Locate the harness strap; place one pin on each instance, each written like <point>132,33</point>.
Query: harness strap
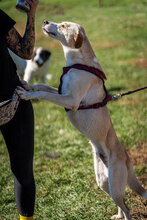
<point>90,69</point>
<point>94,71</point>
<point>94,106</point>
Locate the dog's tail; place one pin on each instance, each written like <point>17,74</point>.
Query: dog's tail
<point>134,184</point>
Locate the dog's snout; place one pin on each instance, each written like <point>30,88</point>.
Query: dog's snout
<point>46,22</point>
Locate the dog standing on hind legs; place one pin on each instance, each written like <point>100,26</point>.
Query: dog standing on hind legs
<point>78,88</point>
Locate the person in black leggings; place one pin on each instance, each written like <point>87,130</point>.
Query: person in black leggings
<point>19,132</point>
<point>19,138</point>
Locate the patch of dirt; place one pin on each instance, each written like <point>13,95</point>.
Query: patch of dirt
<point>138,207</point>
<point>139,155</point>
<point>139,159</point>
<point>108,45</point>
<point>138,213</point>
<point>142,63</point>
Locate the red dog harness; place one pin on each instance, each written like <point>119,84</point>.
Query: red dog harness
<point>94,71</point>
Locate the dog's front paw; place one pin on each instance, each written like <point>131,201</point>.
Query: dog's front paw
<point>26,86</point>
<point>22,93</point>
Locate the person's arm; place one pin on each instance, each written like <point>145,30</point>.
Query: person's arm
<point>23,46</point>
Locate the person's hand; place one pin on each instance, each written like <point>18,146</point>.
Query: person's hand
<point>23,94</point>
<point>26,86</point>
<point>33,5</point>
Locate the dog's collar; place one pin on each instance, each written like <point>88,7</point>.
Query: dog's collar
<point>91,69</point>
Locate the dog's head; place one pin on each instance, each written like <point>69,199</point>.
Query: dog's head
<point>68,33</point>
<point>40,56</point>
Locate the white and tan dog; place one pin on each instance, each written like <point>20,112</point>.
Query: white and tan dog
<point>112,165</point>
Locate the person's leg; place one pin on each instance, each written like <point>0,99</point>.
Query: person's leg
<point>19,138</point>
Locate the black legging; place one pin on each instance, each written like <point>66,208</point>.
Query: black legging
<point>19,138</point>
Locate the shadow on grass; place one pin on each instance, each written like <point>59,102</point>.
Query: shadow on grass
<point>115,89</point>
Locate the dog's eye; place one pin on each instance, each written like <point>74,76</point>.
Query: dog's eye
<point>63,26</point>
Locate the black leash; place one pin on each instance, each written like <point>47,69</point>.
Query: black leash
<point>127,93</point>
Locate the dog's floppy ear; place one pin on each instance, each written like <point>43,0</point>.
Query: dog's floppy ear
<point>78,38</point>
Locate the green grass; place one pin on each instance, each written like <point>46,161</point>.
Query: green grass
<point>66,187</point>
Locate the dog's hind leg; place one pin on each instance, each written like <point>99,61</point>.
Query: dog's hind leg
<point>101,172</point>
<point>101,169</point>
<point>118,175</point>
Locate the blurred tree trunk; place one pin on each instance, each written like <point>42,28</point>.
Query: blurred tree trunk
<point>100,3</point>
